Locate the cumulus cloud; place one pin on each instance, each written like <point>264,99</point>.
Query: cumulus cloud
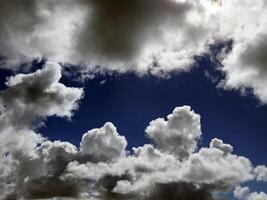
<point>245,66</point>
<point>143,36</point>
<point>261,173</point>
<point>177,135</point>
<point>173,166</point>
<point>244,193</point>
<point>29,97</point>
<point>38,94</point>
<point>104,144</point>
<point>101,169</point>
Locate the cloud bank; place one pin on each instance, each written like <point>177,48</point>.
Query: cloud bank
<point>173,166</point>
<point>144,36</point>
<point>155,37</point>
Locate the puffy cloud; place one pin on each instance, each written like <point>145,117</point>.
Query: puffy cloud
<point>144,36</point>
<point>150,173</point>
<point>104,144</point>
<point>35,29</point>
<point>217,143</point>
<point>100,169</point>
<point>177,135</point>
<point>37,95</point>
<point>245,66</point>
<point>257,196</point>
<point>212,165</point>
<point>244,193</point>
<point>261,173</point>
<point>28,98</point>
<point>241,192</point>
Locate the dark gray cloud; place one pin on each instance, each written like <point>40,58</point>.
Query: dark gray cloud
<point>117,29</point>
<point>45,187</point>
<point>107,35</point>
<point>143,36</point>
<point>181,190</point>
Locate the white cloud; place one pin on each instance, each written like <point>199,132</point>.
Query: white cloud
<point>39,94</point>
<point>100,169</point>
<point>177,135</point>
<point>28,98</point>
<point>261,173</point>
<point>245,66</point>
<point>244,193</point>
<point>257,196</point>
<point>104,144</point>
<point>241,192</point>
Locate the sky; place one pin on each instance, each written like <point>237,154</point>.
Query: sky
<point>133,100</point>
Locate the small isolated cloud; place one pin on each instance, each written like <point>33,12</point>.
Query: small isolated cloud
<point>173,166</point>
<point>261,173</point>
<point>243,193</point>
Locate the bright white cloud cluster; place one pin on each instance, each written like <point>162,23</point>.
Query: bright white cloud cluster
<point>33,167</point>
<point>104,144</point>
<point>178,135</point>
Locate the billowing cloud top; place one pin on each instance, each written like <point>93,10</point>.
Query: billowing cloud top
<point>173,167</point>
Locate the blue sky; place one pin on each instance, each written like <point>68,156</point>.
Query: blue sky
<point>131,102</point>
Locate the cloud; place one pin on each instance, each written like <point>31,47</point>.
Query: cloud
<point>59,169</point>
<point>244,193</point>
<point>37,95</point>
<point>104,144</point>
<point>241,192</point>
<point>32,167</point>
<point>181,190</point>
<point>29,98</point>
<point>177,135</point>
<point>149,36</point>
<point>143,36</point>
<point>261,173</point>
<point>245,66</point>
